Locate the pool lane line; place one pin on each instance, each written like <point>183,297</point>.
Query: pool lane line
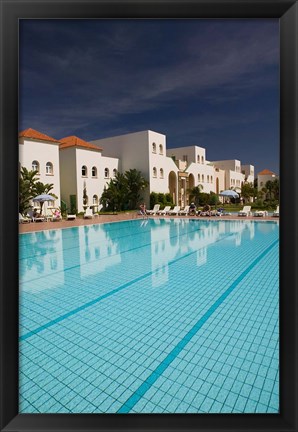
<point>104,296</point>
<point>153,377</point>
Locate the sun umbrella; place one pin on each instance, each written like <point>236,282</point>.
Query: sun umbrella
<point>43,198</point>
<point>229,194</point>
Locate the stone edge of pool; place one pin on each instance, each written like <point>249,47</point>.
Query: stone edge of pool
<point>42,226</point>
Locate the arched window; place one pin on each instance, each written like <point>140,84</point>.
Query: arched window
<point>107,173</point>
<point>154,172</point>
<point>153,147</point>
<point>35,166</point>
<point>160,149</point>
<point>49,168</point>
<point>114,172</point>
<point>161,173</point>
<point>203,178</point>
<point>202,159</point>
<point>199,177</point>
<point>94,171</point>
<point>84,171</point>
<point>211,179</point>
<point>95,199</point>
<point>207,179</point>
<point>198,159</point>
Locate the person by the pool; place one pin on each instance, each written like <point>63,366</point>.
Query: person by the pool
<point>192,209</point>
<point>143,211</point>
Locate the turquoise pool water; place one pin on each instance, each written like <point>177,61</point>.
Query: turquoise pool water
<point>157,316</point>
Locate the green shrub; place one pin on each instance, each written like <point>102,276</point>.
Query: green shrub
<point>153,199</point>
<point>213,199</point>
<point>161,199</point>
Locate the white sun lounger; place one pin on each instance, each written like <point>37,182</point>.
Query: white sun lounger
<point>164,211</point>
<point>88,214</point>
<point>23,219</point>
<point>154,210</point>
<point>260,213</point>
<point>245,211</point>
<point>276,212</point>
<point>175,210</point>
<point>185,211</point>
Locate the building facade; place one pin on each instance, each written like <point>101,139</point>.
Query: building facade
<point>84,173</point>
<point>40,152</point>
<point>145,151</point>
<point>80,170</point>
<point>264,176</point>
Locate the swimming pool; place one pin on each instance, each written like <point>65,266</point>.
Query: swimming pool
<point>150,316</point>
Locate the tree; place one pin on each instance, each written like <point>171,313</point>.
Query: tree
<point>85,196</point>
<point>29,188</point>
<point>213,199</point>
<point>135,184</point>
<point>26,188</point>
<point>275,188</point>
<point>247,191</point>
<point>114,196</point>
<point>124,191</point>
<point>195,194</point>
<point>269,187</point>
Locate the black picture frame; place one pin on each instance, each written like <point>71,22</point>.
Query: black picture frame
<point>287,13</point>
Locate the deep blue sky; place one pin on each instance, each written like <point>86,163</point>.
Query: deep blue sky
<point>211,83</point>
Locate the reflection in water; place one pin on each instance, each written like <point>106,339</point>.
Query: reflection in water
<point>40,257</point>
<point>50,259</point>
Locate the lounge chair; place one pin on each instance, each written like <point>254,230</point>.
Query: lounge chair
<point>154,210</point>
<point>245,211</point>
<point>23,219</point>
<point>88,214</point>
<point>71,217</point>
<point>276,212</point>
<point>260,213</point>
<point>49,216</point>
<point>39,218</point>
<point>175,210</point>
<point>185,211</point>
<point>164,211</point>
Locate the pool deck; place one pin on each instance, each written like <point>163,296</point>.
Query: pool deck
<point>41,226</point>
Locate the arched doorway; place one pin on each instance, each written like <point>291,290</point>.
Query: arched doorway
<point>191,181</point>
<point>191,185</point>
<point>173,185</point>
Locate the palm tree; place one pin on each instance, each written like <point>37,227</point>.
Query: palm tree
<point>27,182</point>
<point>114,195</point>
<point>194,194</point>
<point>135,183</point>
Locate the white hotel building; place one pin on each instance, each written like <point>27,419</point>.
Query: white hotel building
<point>73,164</point>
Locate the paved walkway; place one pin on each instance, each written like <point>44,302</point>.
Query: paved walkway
<point>40,226</point>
